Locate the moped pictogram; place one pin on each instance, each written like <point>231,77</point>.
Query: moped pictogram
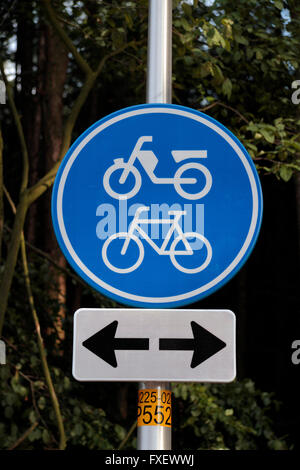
<point>149,162</point>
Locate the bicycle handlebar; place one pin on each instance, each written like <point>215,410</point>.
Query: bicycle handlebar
<point>140,210</point>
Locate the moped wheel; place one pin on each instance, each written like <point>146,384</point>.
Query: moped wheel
<point>203,265</point>
<point>131,268</point>
<point>112,169</point>
<point>189,166</point>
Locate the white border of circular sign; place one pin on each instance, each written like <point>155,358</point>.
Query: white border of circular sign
<point>181,111</point>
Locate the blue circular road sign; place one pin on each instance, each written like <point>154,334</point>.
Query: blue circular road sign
<point>157,205</point>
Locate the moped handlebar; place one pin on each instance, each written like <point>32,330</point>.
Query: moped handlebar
<point>137,148</point>
<point>141,140</point>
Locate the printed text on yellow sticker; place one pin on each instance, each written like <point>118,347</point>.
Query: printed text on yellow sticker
<point>154,408</point>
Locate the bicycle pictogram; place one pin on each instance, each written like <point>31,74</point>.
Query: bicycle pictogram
<point>149,161</point>
<point>183,237</point>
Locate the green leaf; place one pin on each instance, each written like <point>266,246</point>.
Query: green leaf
<point>241,39</point>
<point>259,55</point>
<point>285,173</point>
<point>41,403</point>
<point>227,22</point>
<point>120,431</point>
<point>34,435</point>
<point>128,20</point>
<point>269,137</point>
<point>206,69</point>
<point>46,436</point>
<point>186,25</point>
<point>32,416</point>
<point>227,88</point>
<point>78,429</point>
<point>218,74</point>
<point>187,9</point>
<point>278,4</point>
<point>188,60</point>
<point>218,39</point>
<point>251,146</point>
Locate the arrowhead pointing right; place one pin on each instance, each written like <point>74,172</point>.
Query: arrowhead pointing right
<point>102,344</point>
<point>205,344</point>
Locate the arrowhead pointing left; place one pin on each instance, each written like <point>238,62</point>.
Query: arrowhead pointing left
<point>102,344</point>
<point>205,344</point>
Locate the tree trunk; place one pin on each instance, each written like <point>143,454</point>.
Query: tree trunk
<point>55,77</point>
<point>24,67</point>
<point>35,144</point>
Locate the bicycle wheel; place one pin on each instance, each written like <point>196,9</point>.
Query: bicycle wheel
<point>119,166</point>
<point>131,268</point>
<point>191,270</point>
<point>194,166</point>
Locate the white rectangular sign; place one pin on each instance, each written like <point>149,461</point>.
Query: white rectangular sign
<point>154,345</point>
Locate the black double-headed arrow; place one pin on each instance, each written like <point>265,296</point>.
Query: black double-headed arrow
<point>204,344</point>
<point>104,344</point>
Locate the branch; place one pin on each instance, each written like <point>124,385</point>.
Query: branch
<point>8,13</point>
<point>65,38</point>
<point>212,105</point>
<point>127,435</point>
<point>19,126</point>
<point>42,253</point>
<point>24,436</point>
<point>219,103</point>
<point>47,257</point>
<point>10,201</point>
<point>46,182</point>
<point>112,54</point>
<point>42,351</point>
<point>41,346</point>
<point>13,249</point>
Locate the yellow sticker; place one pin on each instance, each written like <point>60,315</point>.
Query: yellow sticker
<point>154,408</point>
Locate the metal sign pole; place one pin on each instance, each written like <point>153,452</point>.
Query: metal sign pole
<point>154,402</point>
<point>159,70</point>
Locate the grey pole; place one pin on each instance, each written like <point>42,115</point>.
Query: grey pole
<point>159,90</point>
<point>159,70</point>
